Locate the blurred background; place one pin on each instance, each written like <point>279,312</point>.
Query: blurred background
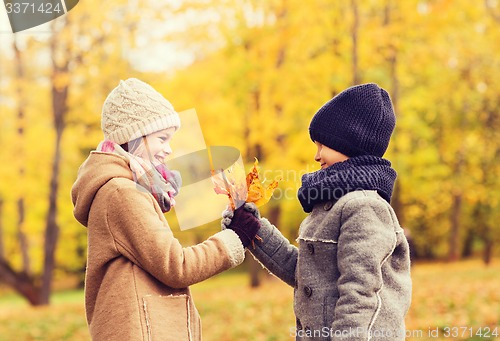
<point>256,71</point>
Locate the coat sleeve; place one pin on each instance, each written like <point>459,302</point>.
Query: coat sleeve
<point>275,252</point>
<point>143,237</point>
<point>366,241</point>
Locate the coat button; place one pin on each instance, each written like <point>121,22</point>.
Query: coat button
<point>328,205</point>
<point>299,325</point>
<point>310,248</point>
<point>308,291</point>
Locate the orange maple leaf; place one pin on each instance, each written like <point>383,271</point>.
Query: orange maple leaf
<point>255,190</point>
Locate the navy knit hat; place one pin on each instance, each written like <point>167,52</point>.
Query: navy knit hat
<point>358,121</point>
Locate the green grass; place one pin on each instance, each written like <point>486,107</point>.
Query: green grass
<point>464,294</point>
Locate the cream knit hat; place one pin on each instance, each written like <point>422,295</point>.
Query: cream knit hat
<point>134,109</point>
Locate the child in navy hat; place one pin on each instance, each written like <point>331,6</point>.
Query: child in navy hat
<point>351,269</point>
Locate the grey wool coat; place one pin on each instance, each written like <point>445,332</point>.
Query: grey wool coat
<point>350,271</point>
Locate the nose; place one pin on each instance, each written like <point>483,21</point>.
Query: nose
<point>317,157</point>
<point>167,150</point>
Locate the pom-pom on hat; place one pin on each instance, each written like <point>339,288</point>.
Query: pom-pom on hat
<point>134,109</point>
<point>358,121</point>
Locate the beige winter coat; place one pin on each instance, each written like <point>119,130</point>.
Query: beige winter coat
<point>137,272</point>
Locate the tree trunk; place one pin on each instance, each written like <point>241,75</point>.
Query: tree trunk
<point>397,203</point>
<point>59,98</point>
<point>274,215</point>
<point>2,244</point>
<point>253,151</point>
<point>253,266</point>
<point>456,206</point>
<point>20,282</point>
<point>488,252</point>
<point>467,248</point>
<point>59,109</point>
<point>52,228</point>
<point>479,216</point>
<point>21,236</point>
<point>455,227</point>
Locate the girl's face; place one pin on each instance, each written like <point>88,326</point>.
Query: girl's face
<point>327,156</point>
<point>158,144</point>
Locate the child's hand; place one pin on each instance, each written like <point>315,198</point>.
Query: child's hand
<point>244,222</point>
<point>228,214</point>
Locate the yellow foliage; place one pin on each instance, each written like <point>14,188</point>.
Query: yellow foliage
<point>256,79</point>
<point>61,80</point>
<point>257,193</point>
<point>252,190</point>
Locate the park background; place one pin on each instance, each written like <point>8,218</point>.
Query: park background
<point>256,72</point>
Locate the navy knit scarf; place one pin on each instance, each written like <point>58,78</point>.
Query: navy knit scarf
<point>357,173</point>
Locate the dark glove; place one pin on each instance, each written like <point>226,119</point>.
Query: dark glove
<point>245,225</point>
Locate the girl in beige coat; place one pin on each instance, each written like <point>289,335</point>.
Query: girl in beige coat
<point>138,274</point>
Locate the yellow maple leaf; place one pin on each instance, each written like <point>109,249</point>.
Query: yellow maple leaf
<point>257,192</point>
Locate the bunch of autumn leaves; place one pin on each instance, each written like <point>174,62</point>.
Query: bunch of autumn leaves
<point>229,183</point>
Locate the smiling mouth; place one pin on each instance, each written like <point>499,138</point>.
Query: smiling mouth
<point>323,165</point>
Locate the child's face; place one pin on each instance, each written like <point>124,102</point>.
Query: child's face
<point>159,146</point>
<point>327,156</point>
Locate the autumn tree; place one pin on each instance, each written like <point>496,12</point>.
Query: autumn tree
<point>65,59</point>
